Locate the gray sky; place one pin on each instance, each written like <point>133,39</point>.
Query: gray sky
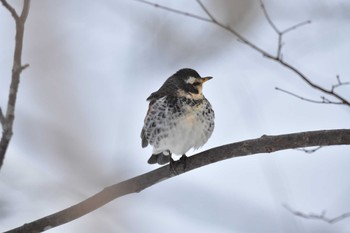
<point>82,101</point>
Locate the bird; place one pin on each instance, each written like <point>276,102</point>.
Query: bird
<point>179,117</point>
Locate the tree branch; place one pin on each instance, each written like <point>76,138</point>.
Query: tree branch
<point>232,31</point>
<point>321,216</point>
<point>296,26</point>
<point>339,84</point>
<point>10,9</point>
<point>25,11</point>
<point>277,57</point>
<point>264,144</point>
<point>267,16</point>
<point>2,118</point>
<point>279,32</point>
<point>322,101</point>
<point>210,20</point>
<point>174,10</point>
<point>315,86</point>
<point>17,68</point>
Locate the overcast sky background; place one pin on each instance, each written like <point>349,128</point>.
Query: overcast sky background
<point>82,102</point>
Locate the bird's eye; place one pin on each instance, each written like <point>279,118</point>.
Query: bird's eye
<point>196,84</point>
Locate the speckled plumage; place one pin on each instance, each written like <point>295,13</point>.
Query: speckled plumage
<point>179,117</point>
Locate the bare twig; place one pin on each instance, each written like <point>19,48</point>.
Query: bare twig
<point>10,9</point>
<point>277,57</point>
<point>278,31</point>
<point>206,11</point>
<point>321,216</point>
<point>315,86</point>
<point>268,18</point>
<point>2,118</point>
<point>295,26</point>
<point>174,10</point>
<point>210,20</point>
<point>232,31</point>
<point>17,68</point>
<point>280,60</point>
<point>339,84</point>
<point>265,144</point>
<point>309,151</point>
<point>25,11</point>
<point>322,101</point>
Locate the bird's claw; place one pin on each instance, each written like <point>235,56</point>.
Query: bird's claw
<point>175,164</point>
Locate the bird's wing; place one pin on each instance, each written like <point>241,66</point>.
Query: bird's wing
<point>143,131</point>
<point>143,138</point>
<point>154,120</point>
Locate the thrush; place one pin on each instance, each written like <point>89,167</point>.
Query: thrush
<point>179,117</point>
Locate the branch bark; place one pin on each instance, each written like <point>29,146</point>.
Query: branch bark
<point>8,120</point>
<point>2,118</point>
<point>264,144</point>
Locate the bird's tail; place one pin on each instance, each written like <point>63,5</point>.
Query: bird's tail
<point>161,158</point>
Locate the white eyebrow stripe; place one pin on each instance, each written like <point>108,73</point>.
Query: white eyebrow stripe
<point>191,80</point>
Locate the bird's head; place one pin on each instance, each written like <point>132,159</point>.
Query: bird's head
<point>189,83</point>
<point>184,83</point>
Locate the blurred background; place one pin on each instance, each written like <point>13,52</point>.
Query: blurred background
<point>82,102</point>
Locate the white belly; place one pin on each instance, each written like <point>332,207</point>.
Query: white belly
<point>190,131</point>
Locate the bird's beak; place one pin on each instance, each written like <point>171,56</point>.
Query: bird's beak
<point>204,79</point>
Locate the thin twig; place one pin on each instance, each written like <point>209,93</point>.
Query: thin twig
<point>17,69</point>
<point>277,57</point>
<point>328,101</point>
<point>279,46</point>
<point>238,35</point>
<point>278,31</point>
<point>214,21</point>
<point>25,11</point>
<point>206,11</point>
<point>323,101</point>
<point>321,216</point>
<point>273,25</point>
<point>175,11</point>
<point>2,118</point>
<point>339,84</point>
<point>25,66</point>
<point>309,151</point>
<point>265,144</point>
<point>10,9</point>
<point>295,26</point>
<point>315,86</point>
<point>268,18</point>
<point>280,60</point>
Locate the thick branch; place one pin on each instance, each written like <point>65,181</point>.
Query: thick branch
<point>16,72</point>
<point>265,144</point>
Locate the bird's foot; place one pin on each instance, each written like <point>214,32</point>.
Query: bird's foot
<point>172,166</point>
<point>183,160</point>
